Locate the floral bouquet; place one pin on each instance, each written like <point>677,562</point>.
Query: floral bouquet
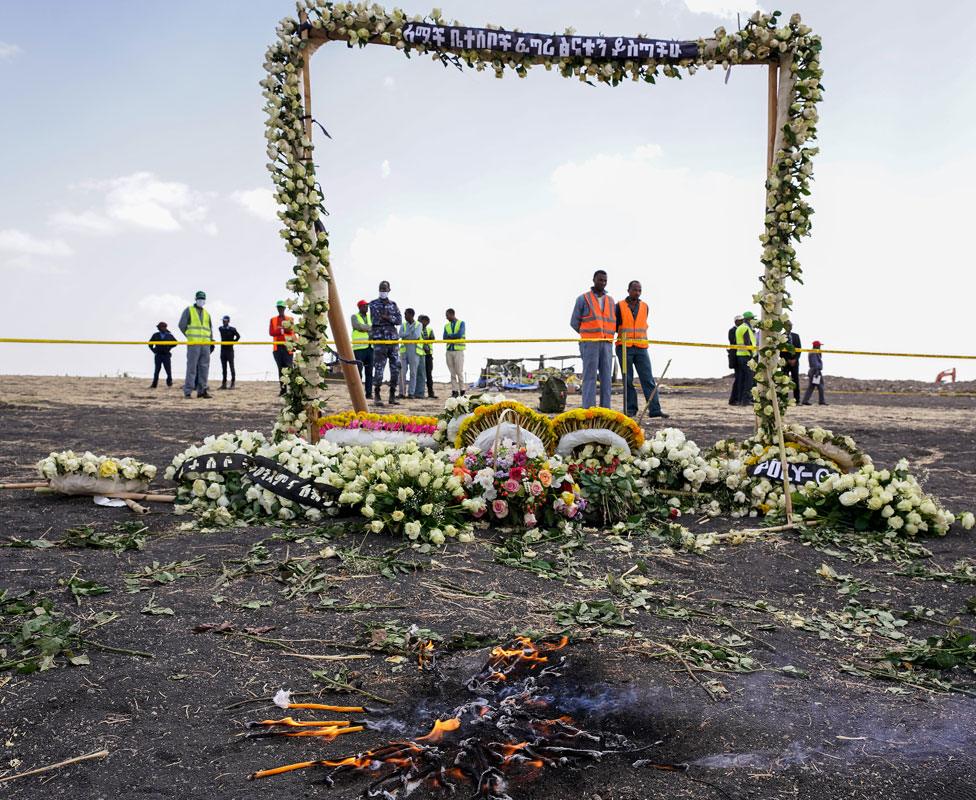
<point>487,421</point>
<point>609,481</point>
<point>68,472</point>
<point>458,409</point>
<point>890,501</point>
<point>518,486</point>
<point>229,498</point>
<point>583,426</point>
<point>362,428</point>
<point>404,490</point>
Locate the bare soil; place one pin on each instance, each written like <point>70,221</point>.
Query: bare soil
<point>173,722</point>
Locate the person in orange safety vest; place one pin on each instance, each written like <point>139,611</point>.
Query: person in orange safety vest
<point>281,330</point>
<point>632,327</point>
<point>594,319</point>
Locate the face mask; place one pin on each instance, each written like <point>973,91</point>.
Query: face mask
<point>384,295</point>
<point>200,303</point>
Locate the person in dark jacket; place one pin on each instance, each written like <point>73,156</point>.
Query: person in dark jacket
<point>791,358</point>
<point>162,354</point>
<point>428,355</point>
<point>816,375</point>
<point>733,364</point>
<point>228,334</point>
<point>386,319</point>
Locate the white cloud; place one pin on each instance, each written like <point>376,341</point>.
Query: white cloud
<point>141,201</point>
<point>8,50</point>
<point>20,243</point>
<point>722,8</point>
<point>389,82</point>
<point>168,306</point>
<point>26,264</point>
<point>83,222</point>
<point>385,169</point>
<point>259,202</point>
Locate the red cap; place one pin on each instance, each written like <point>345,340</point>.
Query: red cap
<point>817,344</point>
<point>362,303</point>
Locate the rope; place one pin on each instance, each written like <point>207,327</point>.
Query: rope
<point>370,342</point>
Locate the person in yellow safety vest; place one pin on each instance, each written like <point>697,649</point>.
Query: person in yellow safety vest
<point>362,352</point>
<point>196,327</point>
<point>454,332</point>
<point>632,327</point>
<point>744,379</point>
<point>594,319</point>
<point>428,350</point>
<point>410,362</point>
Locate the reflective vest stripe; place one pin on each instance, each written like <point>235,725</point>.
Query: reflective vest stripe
<point>199,328</point>
<point>599,321</point>
<point>633,328</point>
<point>453,328</point>
<point>744,335</point>
<point>426,333</point>
<point>358,336</point>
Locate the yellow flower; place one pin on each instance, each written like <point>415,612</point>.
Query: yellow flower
<point>108,469</point>
<point>568,498</point>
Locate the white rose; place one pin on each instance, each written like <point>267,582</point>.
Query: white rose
<point>397,515</point>
<point>427,509</point>
<point>376,525</point>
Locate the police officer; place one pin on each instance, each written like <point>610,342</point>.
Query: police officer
<point>162,354</point>
<point>228,334</point>
<point>386,319</point>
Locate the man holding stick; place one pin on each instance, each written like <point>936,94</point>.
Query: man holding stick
<point>632,336</point>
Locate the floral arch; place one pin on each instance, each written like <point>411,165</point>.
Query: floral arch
<point>789,49</point>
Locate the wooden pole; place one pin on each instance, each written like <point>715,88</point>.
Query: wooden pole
<point>337,320</point>
<point>623,367</point>
<point>772,101</point>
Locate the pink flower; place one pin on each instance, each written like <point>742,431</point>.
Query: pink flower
<point>478,513</point>
<point>536,488</point>
<point>511,486</point>
<point>529,520</point>
<point>499,508</point>
<point>570,511</point>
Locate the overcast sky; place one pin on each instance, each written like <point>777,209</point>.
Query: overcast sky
<point>134,174</point>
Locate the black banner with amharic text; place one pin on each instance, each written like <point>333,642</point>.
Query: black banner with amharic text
<point>541,45</point>
<point>265,473</point>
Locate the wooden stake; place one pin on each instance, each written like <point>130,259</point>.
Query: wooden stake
<point>40,770</point>
<point>657,385</point>
<point>787,489</point>
<point>337,320</point>
<point>27,485</point>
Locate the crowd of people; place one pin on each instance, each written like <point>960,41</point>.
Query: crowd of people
<point>388,342</point>
<point>401,346</point>
<point>742,335</point>
<point>381,338</point>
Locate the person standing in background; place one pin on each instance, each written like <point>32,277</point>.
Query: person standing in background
<point>631,316</point>
<point>410,330</point>
<point>455,332</point>
<point>162,354</point>
<point>386,318</point>
<point>594,319</point>
<point>281,331</point>
<point>227,334</point>
<point>733,364</point>
<point>362,352</point>
<point>791,358</point>
<point>815,372</point>
<point>196,327</point>
<point>428,355</point>
<point>744,378</point>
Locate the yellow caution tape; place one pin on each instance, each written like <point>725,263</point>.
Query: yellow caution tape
<point>369,342</point>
